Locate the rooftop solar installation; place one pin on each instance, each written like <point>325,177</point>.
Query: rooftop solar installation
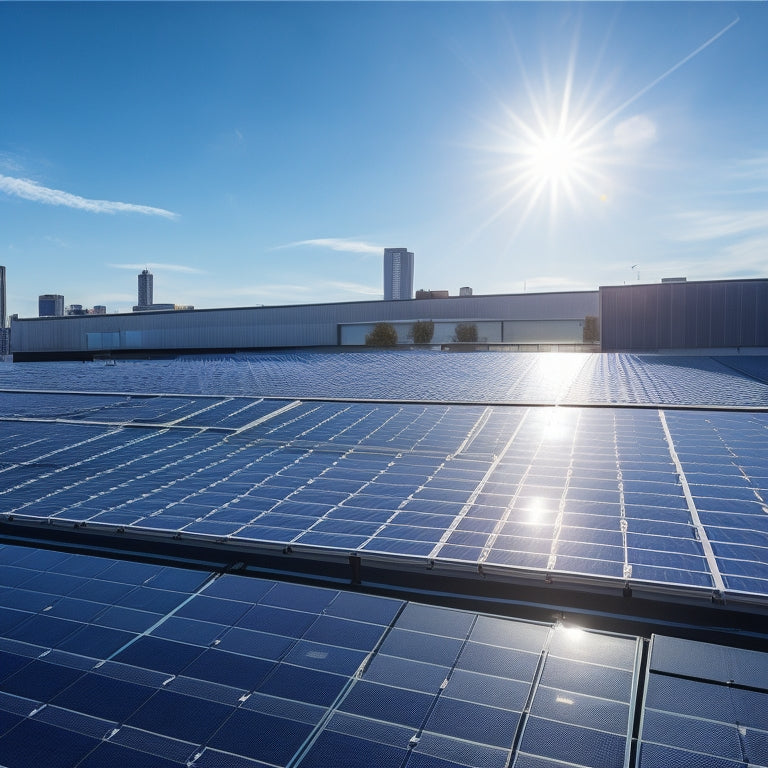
<point>110,662</point>
<point>648,497</point>
<point>525,561</point>
<point>481,377</point>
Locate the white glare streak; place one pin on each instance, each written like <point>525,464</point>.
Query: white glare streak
<point>562,154</point>
<point>664,76</point>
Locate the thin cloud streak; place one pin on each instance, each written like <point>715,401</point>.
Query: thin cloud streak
<point>27,189</point>
<point>713,225</point>
<point>161,267</point>
<point>366,290</point>
<point>338,244</point>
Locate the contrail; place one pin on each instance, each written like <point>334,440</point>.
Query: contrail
<point>666,74</point>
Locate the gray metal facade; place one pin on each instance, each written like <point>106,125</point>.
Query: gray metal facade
<point>313,325</point>
<point>690,315</point>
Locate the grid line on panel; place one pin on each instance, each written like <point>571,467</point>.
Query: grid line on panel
<point>205,409</point>
<point>552,561</point>
<point>149,630</point>
<point>262,419</point>
<point>477,428</point>
<point>38,459</point>
<point>526,711</point>
<point>623,524</point>
<point>89,458</point>
<point>164,467</point>
<point>326,515</point>
<point>334,708</point>
<point>497,460</point>
<point>700,530</point>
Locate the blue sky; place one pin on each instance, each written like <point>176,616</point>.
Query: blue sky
<point>266,153</point>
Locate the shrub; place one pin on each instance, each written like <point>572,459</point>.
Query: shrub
<point>465,332</point>
<point>591,330</point>
<point>422,331</point>
<point>382,335</point>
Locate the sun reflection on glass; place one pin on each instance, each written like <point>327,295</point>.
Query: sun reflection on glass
<point>573,633</point>
<point>536,511</point>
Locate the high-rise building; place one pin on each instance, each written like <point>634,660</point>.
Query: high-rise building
<point>145,289</point>
<point>398,274</point>
<point>50,305</point>
<point>2,297</point>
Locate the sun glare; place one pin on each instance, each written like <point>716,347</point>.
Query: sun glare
<point>553,159</point>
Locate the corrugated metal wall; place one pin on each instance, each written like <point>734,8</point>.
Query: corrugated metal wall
<point>272,327</point>
<point>694,315</point>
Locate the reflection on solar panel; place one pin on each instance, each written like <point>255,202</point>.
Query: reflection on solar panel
<point>107,661</point>
<point>482,377</point>
<point>127,663</point>
<point>639,497</point>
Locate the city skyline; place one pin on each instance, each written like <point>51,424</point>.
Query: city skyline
<point>267,153</point>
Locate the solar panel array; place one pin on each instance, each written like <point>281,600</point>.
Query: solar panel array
<point>705,705</point>
<point>666,498</point>
<point>109,662</point>
<point>482,377</point>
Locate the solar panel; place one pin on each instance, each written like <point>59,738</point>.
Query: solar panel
<point>634,496</point>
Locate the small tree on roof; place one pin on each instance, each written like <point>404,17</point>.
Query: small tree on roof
<point>422,331</point>
<point>382,335</point>
<point>465,332</point>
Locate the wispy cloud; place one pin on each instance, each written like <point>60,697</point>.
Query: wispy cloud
<point>31,190</point>
<point>338,244</point>
<point>635,132</point>
<point>713,225</point>
<point>160,267</point>
<point>358,288</point>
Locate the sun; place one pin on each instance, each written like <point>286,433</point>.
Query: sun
<point>553,159</point>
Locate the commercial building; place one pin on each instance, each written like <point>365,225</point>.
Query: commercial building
<point>50,305</point>
<point>636,318</point>
<point>398,274</point>
<point>547,318</point>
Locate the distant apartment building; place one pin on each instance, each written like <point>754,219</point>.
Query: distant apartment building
<point>2,298</point>
<point>145,289</point>
<point>465,290</point>
<point>398,274</point>
<point>98,309</point>
<point>146,296</point>
<point>426,294</point>
<point>50,305</point>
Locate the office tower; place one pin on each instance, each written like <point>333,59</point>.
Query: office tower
<point>2,297</point>
<point>145,288</point>
<point>398,274</point>
<point>50,305</point>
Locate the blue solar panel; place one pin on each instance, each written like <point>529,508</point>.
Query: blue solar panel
<point>441,686</point>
